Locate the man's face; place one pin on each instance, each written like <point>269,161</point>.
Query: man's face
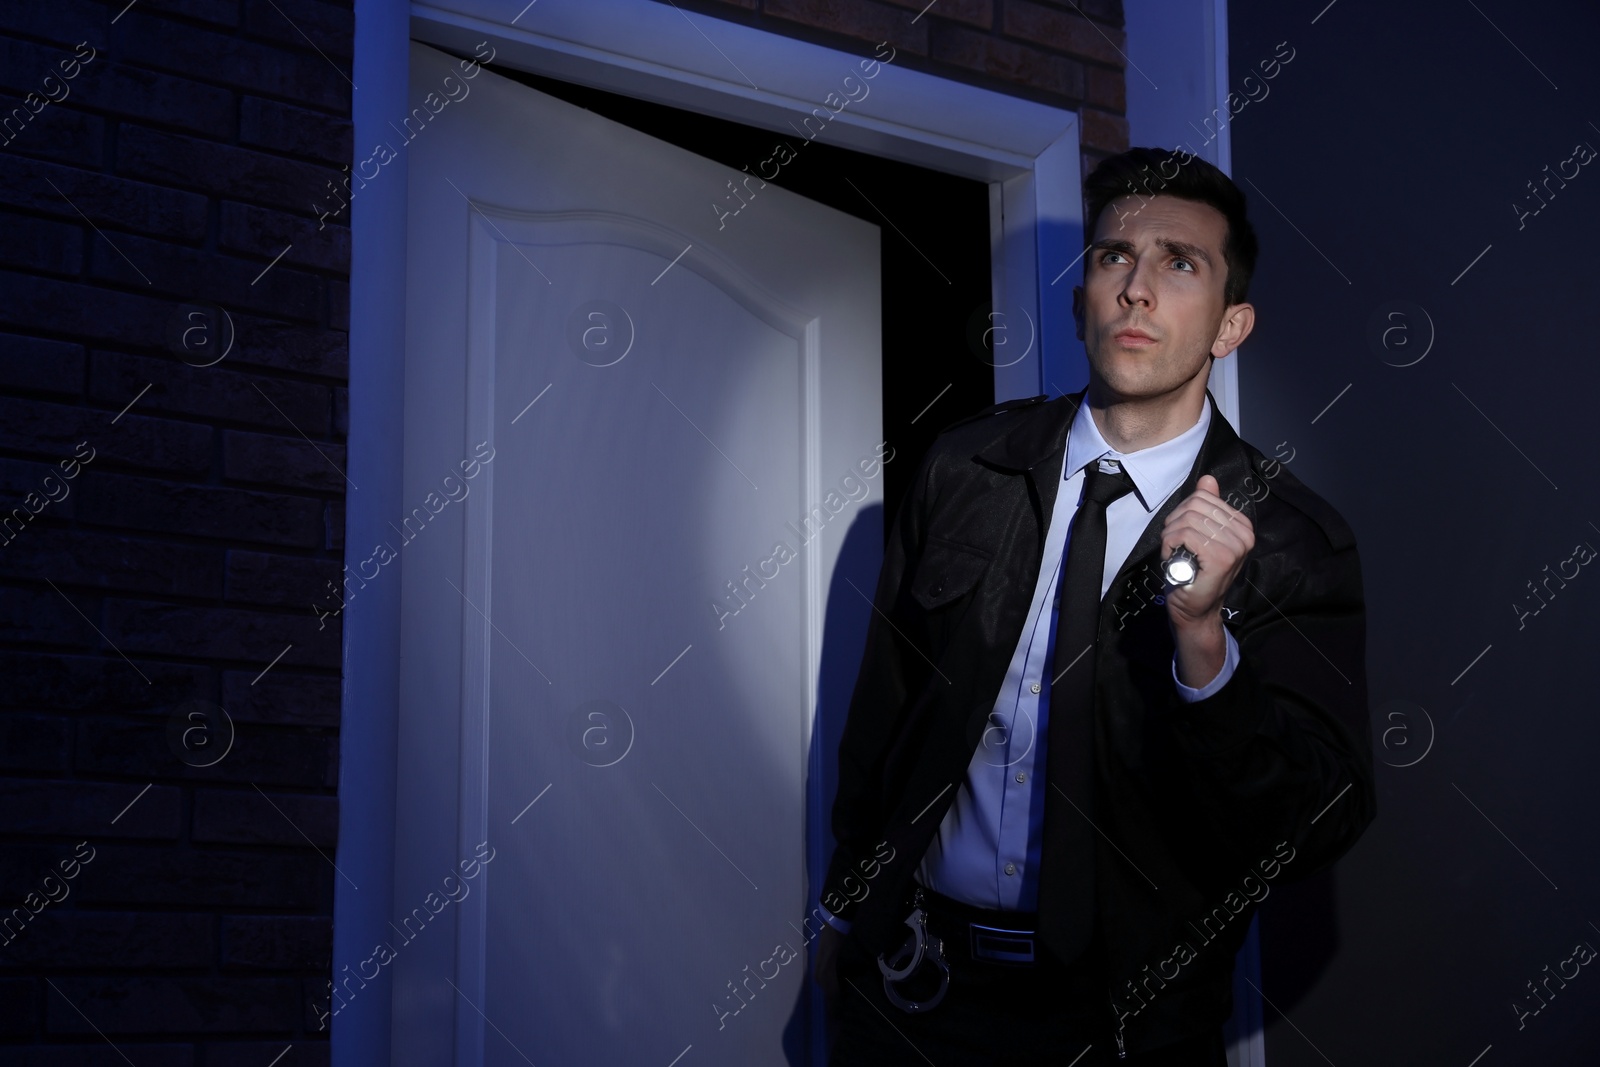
<point>1156,269</point>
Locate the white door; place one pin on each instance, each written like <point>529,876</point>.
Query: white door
<point>624,409</point>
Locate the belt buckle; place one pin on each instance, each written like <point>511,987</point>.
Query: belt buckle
<point>999,945</point>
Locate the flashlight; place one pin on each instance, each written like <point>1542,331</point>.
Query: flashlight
<point>1181,567</point>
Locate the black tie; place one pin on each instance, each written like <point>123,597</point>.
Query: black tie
<point>1066,872</point>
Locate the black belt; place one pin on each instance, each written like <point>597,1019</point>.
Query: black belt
<point>983,935</point>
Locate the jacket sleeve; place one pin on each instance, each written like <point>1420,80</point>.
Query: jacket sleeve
<point>892,671</point>
<point>1282,752</point>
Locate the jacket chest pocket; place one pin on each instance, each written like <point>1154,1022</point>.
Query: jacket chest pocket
<point>946,576</point>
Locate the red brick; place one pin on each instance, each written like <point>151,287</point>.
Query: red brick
<point>263,232</point>
<point>295,131</point>
<point>293,462</point>
<point>204,878</point>
<point>1103,130</point>
<point>220,12</point>
<point>250,818</point>
<point>1009,60</point>
<point>80,683</point>
<point>40,365</point>
<point>44,617</point>
<point>973,12</point>
<point>238,515</point>
<point>136,206</point>
<point>289,581</point>
<point>304,24</point>
<point>55,432</point>
<point>1063,31</point>
<point>40,245</point>
<point>18,478</point>
<point>103,1055</point>
<point>862,19</point>
<point>215,393</point>
<point>235,634</point>
<point>34,743</point>
<point>241,174</point>
<point>299,758</point>
<point>19,1007</point>
<point>285,346</point>
<point>56,133</point>
<point>104,940</point>
<point>310,1050</point>
<point>83,311</point>
<point>118,89</point>
<point>279,942</point>
<point>263,69</point>
<point>1106,89</point>
<point>113,561</point>
<point>199,276</point>
<point>153,1005</point>
<point>283,697</point>
<point>61,21</point>
<point>64,808</point>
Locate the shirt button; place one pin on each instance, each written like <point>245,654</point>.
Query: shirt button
<point>1022,776</point>
<point>1011,868</point>
<point>1036,687</point>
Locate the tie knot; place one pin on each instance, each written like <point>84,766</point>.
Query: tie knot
<point>1102,487</point>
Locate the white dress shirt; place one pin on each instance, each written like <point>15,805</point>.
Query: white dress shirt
<point>989,843</point>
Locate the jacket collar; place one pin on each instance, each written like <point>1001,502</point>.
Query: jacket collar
<point>1029,442</point>
<point>1037,446</point>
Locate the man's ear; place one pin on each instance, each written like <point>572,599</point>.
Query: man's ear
<point>1077,309</point>
<point>1237,322</point>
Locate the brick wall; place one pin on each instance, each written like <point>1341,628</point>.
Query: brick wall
<point>169,706</point>
<point>1068,53</point>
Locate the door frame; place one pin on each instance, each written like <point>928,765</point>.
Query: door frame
<point>1027,152</point>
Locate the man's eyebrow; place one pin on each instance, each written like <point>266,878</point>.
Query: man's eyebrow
<point>1176,248</point>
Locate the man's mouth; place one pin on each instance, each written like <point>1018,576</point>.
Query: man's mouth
<point>1134,338</point>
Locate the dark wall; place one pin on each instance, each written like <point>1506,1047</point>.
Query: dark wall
<point>1425,345</point>
<point>169,703</point>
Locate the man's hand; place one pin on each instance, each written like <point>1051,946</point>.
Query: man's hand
<point>1220,537</point>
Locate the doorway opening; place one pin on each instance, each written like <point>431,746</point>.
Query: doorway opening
<point>938,362</point>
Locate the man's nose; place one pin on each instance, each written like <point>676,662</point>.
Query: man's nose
<point>1137,290</point>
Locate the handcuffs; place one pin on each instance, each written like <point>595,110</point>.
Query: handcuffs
<point>898,969</point>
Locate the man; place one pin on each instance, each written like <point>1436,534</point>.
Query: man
<point>1067,777</point>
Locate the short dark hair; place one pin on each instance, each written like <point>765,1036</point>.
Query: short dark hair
<point>1147,172</point>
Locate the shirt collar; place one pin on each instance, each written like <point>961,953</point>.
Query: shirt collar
<point>1156,471</point>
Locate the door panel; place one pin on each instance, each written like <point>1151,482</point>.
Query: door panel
<point>638,401</point>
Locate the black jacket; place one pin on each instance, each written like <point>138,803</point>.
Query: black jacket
<point>1268,778</point>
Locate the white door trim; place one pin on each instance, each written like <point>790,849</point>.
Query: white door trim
<point>1028,153</point>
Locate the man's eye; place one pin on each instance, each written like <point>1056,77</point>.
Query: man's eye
<point>1186,263</point>
<point>1105,255</point>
